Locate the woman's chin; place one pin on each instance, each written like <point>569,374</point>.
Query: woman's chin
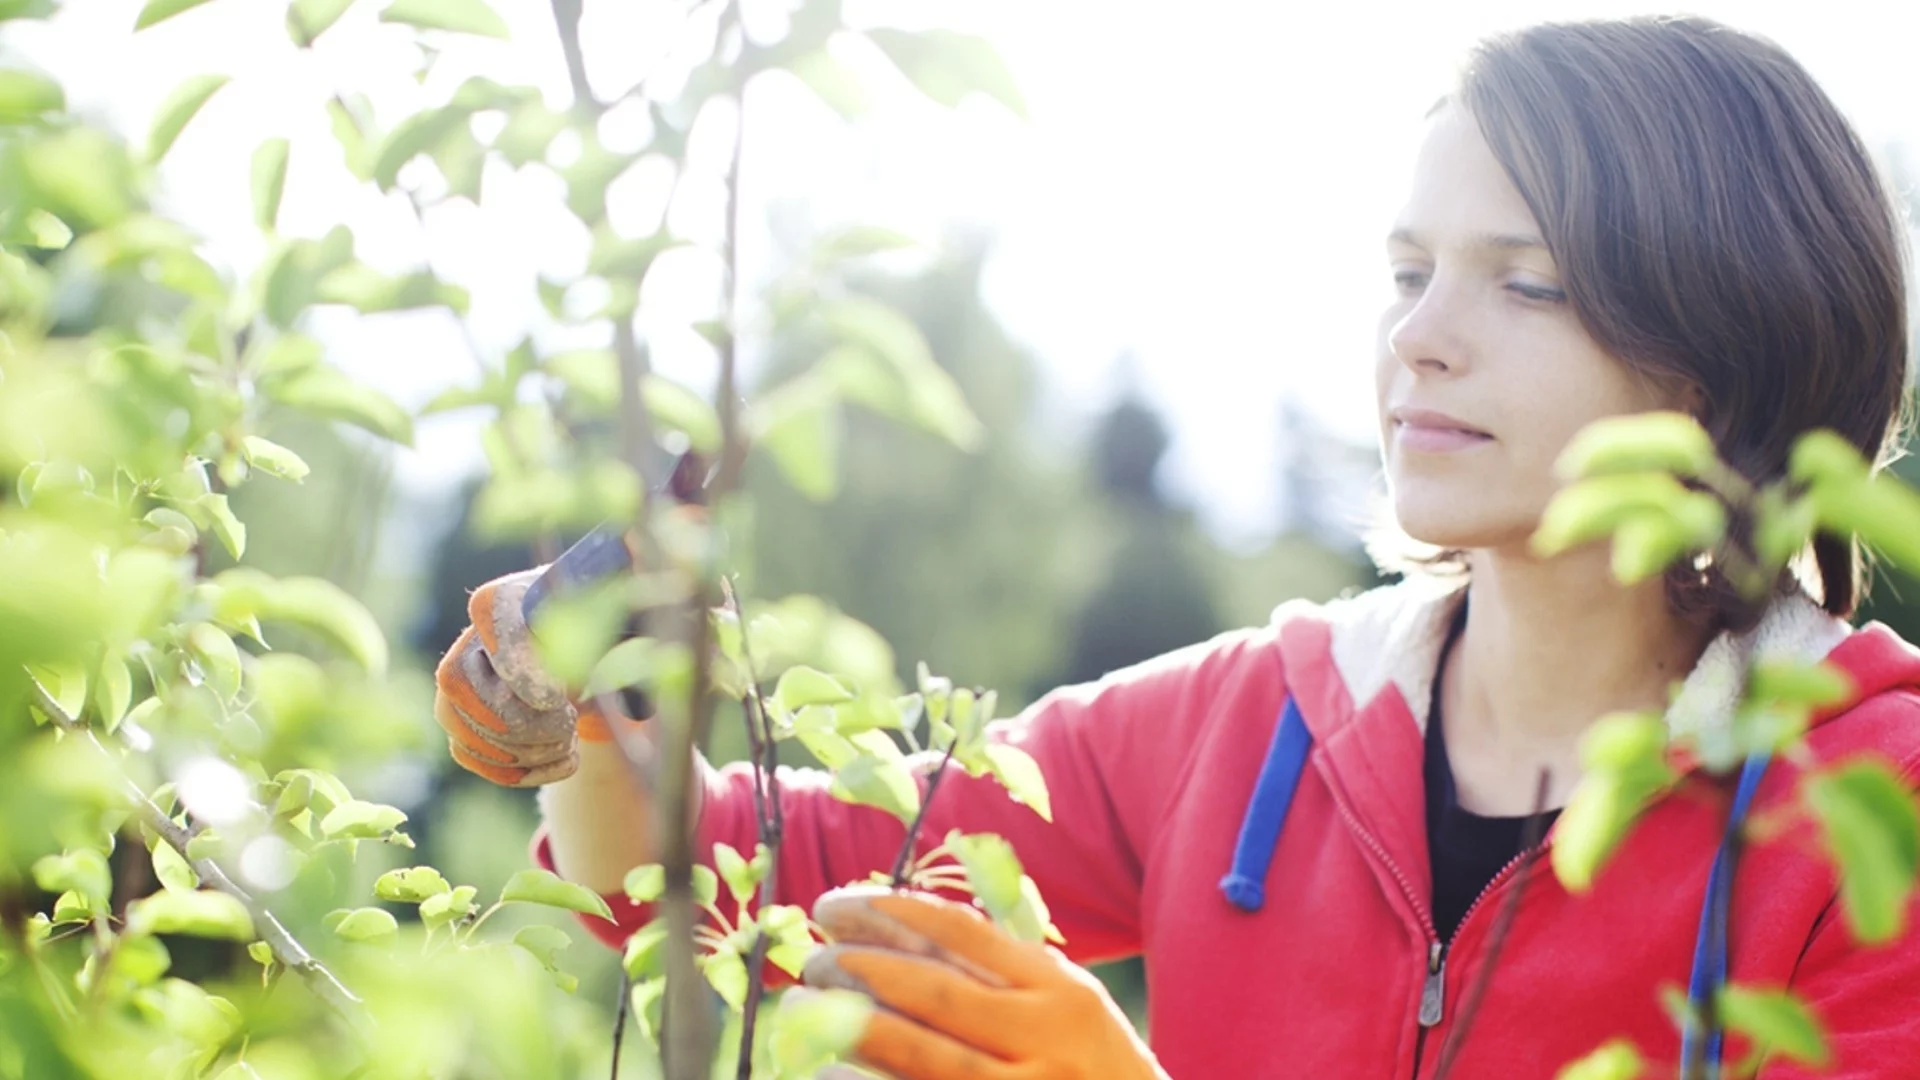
<point>1450,525</point>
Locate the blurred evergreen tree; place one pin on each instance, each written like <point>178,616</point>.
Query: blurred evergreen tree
<point>974,562</point>
<point>1156,595</point>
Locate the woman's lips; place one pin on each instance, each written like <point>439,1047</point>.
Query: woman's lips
<point>1428,440</point>
<point>1428,432</point>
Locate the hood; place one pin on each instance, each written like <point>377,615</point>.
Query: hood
<point>1341,656</point>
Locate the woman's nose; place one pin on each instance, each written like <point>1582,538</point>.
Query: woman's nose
<point>1430,336</point>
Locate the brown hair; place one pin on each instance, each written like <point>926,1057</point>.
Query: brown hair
<point>1716,220</point>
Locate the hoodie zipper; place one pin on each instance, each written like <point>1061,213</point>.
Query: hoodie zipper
<point>1433,981</point>
<point>1433,991</point>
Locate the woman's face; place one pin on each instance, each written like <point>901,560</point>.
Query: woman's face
<point>1484,371</point>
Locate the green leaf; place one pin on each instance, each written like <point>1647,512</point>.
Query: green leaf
<point>643,956</point>
<point>71,907</point>
<point>1787,682</point>
<point>443,908</point>
<point>371,292</point>
<point>859,241</point>
<point>308,19</point>
<point>462,16</point>
<point>65,683</point>
<point>645,884</point>
<point>1823,457</point>
<point>314,603</point>
<point>727,972</point>
<point>198,914</point>
<point>229,528</point>
<point>141,960</point>
<point>1625,758</point>
<point>1645,546</point>
<point>367,924</point>
<point>947,66</point>
<point>869,780</point>
<point>801,428</point>
<point>218,658</point>
<point>158,10</point>
<point>80,173</point>
<point>262,953</point>
<point>706,886</point>
<point>531,128</point>
<point>273,459</point>
<point>739,874</point>
<point>410,885</point>
<point>835,85</point>
<point>172,868</point>
<point>1020,775</point>
<point>1661,442</point>
<point>112,691</point>
<point>679,409</point>
<point>1872,831</point>
<point>27,95</point>
<point>326,391</point>
<point>815,1027</point>
<point>417,134</point>
<point>542,942</point>
<point>802,686</point>
<point>535,886</point>
<point>933,400</point>
<point>177,109</point>
<point>84,872</point>
<point>1882,511</point>
<point>356,819</point>
<point>43,230</point>
<point>1614,1060</point>
<point>573,633</point>
<point>1590,509</point>
<point>269,182</point>
<point>792,943</point>
<point>1777,1021</point>
<point>993,870</point>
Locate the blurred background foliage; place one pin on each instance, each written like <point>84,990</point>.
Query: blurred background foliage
<point>1052,554</point>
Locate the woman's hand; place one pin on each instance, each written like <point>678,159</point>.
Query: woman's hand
<point>506,719</point>
<point>960,998</point>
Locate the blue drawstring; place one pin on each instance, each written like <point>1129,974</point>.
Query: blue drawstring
<point>1710,946</point>
<point>1245,885</point>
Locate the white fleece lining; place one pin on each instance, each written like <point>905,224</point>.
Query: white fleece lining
<point>1393,634</point>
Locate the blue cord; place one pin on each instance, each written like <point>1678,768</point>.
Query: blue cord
<point>1710,946</point>
<point>1245,884</point>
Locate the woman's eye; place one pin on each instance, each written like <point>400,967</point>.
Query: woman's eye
<point>1409,281</point>
<point>1542,293</point>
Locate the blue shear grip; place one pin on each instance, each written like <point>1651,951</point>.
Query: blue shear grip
<point>1244,886</point>
<point>1716,914</point>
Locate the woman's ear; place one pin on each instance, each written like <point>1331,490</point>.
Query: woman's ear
<point>1692,400</point>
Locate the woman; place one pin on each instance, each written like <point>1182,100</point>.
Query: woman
<point>1605,218</point>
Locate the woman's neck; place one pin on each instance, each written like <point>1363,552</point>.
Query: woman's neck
<point>1549,646</point>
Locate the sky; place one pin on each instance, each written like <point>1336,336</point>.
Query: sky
<point>1203,186</point>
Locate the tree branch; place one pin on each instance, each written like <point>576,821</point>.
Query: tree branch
<point>770,821</point>
<point>905,859</point>
<point>1502,926</point>
<point>287,949</point>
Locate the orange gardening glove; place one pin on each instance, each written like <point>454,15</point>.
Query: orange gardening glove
<point>960,998</point>
<point>506,719</point>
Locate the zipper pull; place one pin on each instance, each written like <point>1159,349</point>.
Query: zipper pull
<point>1433,992</point>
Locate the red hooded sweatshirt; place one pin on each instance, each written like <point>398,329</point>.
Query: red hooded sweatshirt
<point>1151,771</point>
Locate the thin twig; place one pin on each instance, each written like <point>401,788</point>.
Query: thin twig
<point>769,819</point>
<point>566,19</point>
<point>1502,926</point>
<point>620,1020</point>
<point>905,858</point>
<point>286,948</point>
